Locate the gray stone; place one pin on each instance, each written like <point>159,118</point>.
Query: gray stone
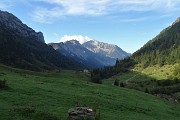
<point>81,113</point>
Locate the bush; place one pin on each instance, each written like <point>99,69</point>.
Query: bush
<point>146,90</point>
<point>116,82</point>
<point>96,76</point>
<point>121,84</point>
<point>3,84</point>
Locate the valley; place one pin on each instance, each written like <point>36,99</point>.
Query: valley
<point>42,81</point>
<point>49,95</point>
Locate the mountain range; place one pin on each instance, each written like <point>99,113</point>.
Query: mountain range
<point>23,47</point>
<point>93,53</point>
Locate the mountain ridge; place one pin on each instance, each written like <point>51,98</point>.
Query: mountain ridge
<point>107,49</point>
<point>22,47</point>
<point>162,50</point>
<point>14,24</point>
<point>83,53</point>
<point>76,51</point>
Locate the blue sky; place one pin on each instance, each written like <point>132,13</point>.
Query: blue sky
<point>126,23</point>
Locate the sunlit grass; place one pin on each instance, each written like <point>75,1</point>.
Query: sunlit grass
<point>44,96</point>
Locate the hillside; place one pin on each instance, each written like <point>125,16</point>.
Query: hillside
<point>163,49</point>
<point>22,47</point>
<point>48,96</point>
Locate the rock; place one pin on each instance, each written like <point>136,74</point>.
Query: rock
<point>177,21</point>
<point>81,113</point>
<point>105,49</point>
<point>15,26</point>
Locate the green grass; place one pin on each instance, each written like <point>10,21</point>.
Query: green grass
<point>157,72</point>
<point>48,96</point>
<point>144,74</point>
<point>129,76</point>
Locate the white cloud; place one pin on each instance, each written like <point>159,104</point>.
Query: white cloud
<point>80,38</point>
<point>4,4</point>
<point>80,7</point>
<point>100,7</point>
<point>44,15</point>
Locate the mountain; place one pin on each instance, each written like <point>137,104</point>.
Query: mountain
<point>22,47</point>
<point>157,59</point>
<point>73,49</point>
<point>15,26</point>
<point>105,49</point>
<point>92,53</point>
<point>163,49</point>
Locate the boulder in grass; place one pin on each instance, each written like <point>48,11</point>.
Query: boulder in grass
<point>81,113</point>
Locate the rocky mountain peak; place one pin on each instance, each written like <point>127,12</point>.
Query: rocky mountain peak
<point>91,53</point>
<point>15,25</point>
<point>177,21</point>
<point>110,50</point>
<point>73,42</point>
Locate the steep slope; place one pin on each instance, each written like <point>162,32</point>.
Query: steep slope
<point>12,24</point>
<point>22,47</point>
<point>163,49</point>
<point>76,51</point>
<point>109,50</point>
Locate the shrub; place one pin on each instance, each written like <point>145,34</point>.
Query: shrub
<point>96,76</point>
<point>146,90</point>
<point>116,82</point>
<point>121,84</point>
<point>3,84</point>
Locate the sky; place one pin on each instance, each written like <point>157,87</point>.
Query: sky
<point>126,23</point>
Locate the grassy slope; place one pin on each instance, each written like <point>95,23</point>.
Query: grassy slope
<point>49,95</point>
<point>157,72</point>
<point>141,74</point>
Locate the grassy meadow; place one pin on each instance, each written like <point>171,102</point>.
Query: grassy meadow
<point>49,95</point>
<point>144,74</point>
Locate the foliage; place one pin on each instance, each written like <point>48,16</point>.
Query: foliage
<point>177,72</point>
<point>146,90</point>
<point>3,84</point>
<point>116,82</point>
<point>121,84</point>
<point>163,49</point>
<point>96,76</point>
<point>122,66</point>
<point>160,87</point>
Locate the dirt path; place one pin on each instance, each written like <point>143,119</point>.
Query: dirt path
<point>127,81</point>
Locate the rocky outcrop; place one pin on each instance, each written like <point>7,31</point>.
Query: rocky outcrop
<point>109,50</point>
<point>177,21</point>
<point>16,27</point>
<point>81,113</point>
